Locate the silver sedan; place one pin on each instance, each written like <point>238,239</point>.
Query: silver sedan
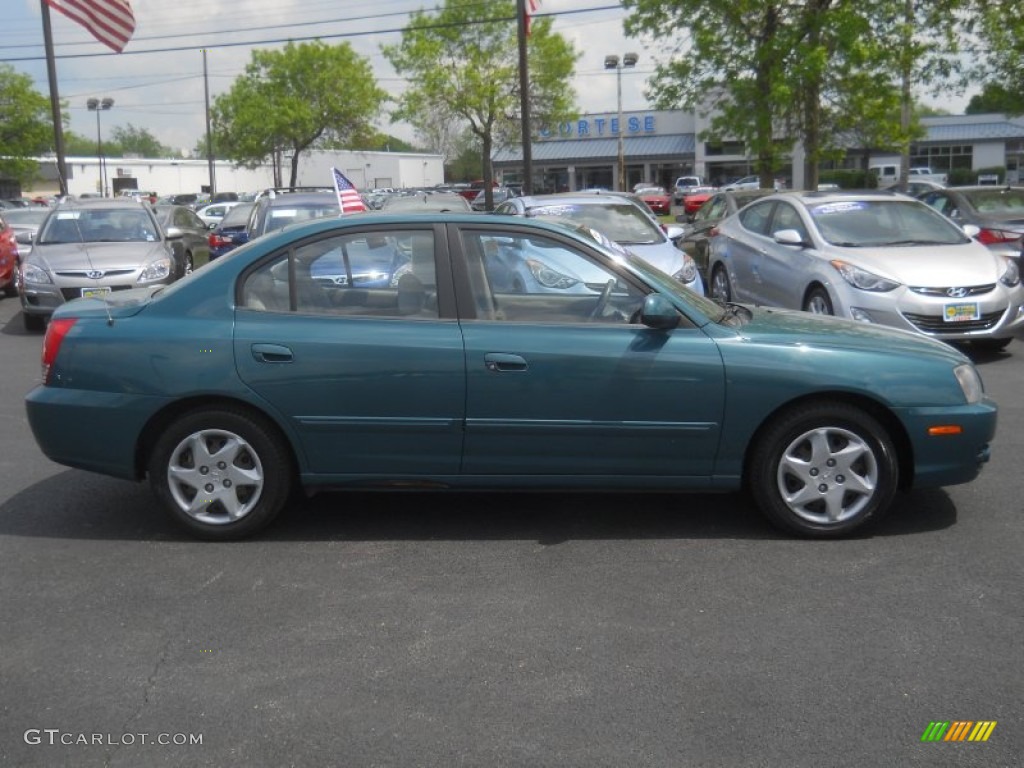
<point>873,257</point>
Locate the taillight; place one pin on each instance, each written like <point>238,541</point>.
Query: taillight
<point>56,330</point>
<point>216,241</point>
<point>991,236</point>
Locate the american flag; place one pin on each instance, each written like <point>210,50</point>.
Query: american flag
<point>530,8</point>
<point>348,197</point>
<point>109,21</point>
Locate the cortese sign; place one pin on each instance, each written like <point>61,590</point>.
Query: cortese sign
<point>600,127</point>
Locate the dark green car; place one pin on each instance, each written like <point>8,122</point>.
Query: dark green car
<point>254,375</point>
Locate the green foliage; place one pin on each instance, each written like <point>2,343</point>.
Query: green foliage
<point>135,141</point>
<point>26,129</point>
<point>849,179</point>
<point>462,63</point>
<point>814,70</point>
<point>1000,26</point>
<point>304,96</point>
<point>995,97</point>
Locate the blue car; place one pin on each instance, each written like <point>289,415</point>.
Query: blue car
<point>266,371</point>
<point>230,232</point>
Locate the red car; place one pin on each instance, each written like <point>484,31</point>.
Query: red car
<point>8,258</point>
<point>696,198</point>
<point>656,198</point>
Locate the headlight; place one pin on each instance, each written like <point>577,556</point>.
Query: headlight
<point>689,271</point>
<point>156,270</point>
<point>549,277</point>
<point>1011,276</point>
<point>970,382</point>
<point>862,279</point>
<point>30,273</point>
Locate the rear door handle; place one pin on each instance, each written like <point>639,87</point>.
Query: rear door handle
<point>500,362</point>
<point>271,353</point>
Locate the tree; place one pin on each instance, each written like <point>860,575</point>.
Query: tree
<point>26,129</point>
<point>136,141</point>
<point>305,96</point>
<point>462,64</point>
<point>1001,29</point>
<point>768,71</point>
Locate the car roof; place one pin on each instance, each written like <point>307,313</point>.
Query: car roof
<point>577,198</point>
<point>101,202</point>
<point>299,198</point>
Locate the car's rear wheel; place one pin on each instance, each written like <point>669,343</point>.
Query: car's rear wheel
<point>221,473</point>
<point>823,470</point>
<point>818,302</point>
<point>720,287</point>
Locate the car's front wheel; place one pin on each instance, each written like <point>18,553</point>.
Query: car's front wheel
<point>823,470</point>
<point>33,322</point>
<point>818,302</point>
<point>720,287</point>
<point>221,473</point>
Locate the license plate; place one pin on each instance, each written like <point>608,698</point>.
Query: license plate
<point>99,291</point>
<point>961,313</point>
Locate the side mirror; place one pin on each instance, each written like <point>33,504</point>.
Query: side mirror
<point>971,230</point>
<point>659,313</point>
<point>789,237</point>
<point>673,232</point>
<point>174,233</point>
<point>25,238</point>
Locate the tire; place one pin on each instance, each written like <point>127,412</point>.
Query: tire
<point>188,266</point>
<point>823,470</point>
<point>33,322</point>
<point>720,287</point>
<point>221,473</point>
<point>992,345</point>
<point>11,289</point>
<point>818,302</point>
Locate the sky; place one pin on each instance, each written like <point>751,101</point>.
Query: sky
<point>157,82</point>
<point>162,90</point>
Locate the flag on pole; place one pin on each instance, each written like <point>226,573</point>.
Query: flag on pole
<point>109,21</point>
<point>530,8</point>
<point>348,196</point>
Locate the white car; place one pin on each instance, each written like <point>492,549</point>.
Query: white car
<point>622,220</point>
<point>874,257</point>
<point>213,214</point>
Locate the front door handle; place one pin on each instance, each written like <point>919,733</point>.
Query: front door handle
<point>499,362</point>
<point>271,353</point>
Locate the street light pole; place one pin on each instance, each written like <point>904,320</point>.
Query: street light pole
<point>612,62</point>
<point>97,106</point>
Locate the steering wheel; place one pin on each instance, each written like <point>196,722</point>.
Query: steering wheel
<point>602,300</point>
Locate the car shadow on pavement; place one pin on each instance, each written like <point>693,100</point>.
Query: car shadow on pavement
<point>81,505</point>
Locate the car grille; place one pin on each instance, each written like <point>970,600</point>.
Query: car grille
<point>935,323</point>
<point>972,290</point>
<point>74,293</point>
<point>84,273</point>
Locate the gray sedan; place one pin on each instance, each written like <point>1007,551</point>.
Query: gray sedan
<point>997,212</point>
<point>91,248</point>
<point>874,257</point>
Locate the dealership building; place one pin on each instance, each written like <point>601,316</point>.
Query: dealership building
<point>659,146</point>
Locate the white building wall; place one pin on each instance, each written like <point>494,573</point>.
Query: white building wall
<point>166,177</point>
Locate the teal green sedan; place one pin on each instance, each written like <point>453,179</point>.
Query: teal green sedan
<point>265,372</point>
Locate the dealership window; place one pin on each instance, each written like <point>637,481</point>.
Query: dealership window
<point>943,158</point>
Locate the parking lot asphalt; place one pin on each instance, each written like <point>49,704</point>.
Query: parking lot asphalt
<point>503,630</point>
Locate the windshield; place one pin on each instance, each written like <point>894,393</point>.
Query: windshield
<point>109,225</point>
<point>26,217</point>
<point>873,223</point>
<point>238,216</point>
<point>623,222</point>
<point>279,218</point>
